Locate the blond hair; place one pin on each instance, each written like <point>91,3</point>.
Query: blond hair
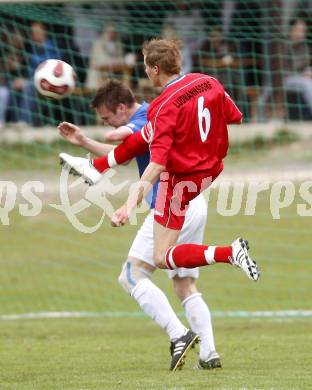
<point>165,53</point>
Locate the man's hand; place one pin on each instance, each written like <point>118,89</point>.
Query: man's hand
<point>71,133</point>
<point>120,216</point>
<point>143,186</point>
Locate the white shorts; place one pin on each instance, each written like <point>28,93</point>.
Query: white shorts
<point>192,232</point>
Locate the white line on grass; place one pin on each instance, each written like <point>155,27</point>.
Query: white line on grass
<point>119,314</point>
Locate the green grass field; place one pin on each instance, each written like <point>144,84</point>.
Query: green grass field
<point>48,266</point>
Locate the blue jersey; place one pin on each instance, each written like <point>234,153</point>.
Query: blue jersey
<point>136,122</point>
<point>42,53</point>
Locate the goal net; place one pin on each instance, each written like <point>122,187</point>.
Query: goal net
<point>259,50</point>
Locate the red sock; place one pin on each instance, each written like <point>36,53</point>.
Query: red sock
<point>192,255</point>
<point>131,146</point>
<point>101,163</point>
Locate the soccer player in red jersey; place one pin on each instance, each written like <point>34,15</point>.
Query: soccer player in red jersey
<point>116,105</point>
<point>188,140</point>
<point>188,137</point>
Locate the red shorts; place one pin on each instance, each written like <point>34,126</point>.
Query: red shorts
<point>175,193</point>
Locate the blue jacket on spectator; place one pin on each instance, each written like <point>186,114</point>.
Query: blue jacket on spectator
<point>41,53</point>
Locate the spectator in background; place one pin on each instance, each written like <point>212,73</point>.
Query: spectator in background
<point>220,58</point>
<point>70,51</point>
<point>39,49</point>
<point>244,22</point>
<point>86,18</point>
<point>107,59</point>
<point>84,31</point>
<point>217,57</point>
<point>15,73</point>
<point>296,69</point>
<point>4,95</point>
<point>298,62</point>
<point>189,26</point>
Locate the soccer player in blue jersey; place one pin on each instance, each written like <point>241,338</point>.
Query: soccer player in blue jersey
<point>117,107</point>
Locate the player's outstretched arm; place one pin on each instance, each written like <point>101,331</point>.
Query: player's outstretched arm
<point>132,146</point>
<point>76,136</point>
<point>118,134</point>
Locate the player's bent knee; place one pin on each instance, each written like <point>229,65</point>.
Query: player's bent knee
<point>160,263</point>
<point>123,281</point>
<point>131,274</point>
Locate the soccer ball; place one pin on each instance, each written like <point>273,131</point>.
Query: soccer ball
<point>55,79</point>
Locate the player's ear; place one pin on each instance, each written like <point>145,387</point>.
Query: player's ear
<point>156,70</point>
<point>121,107</point>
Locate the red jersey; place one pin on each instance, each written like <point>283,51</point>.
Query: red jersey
<point>187,124</point>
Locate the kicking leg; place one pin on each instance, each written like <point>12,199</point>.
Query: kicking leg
<point>171,256</point>
<point>170,217</point>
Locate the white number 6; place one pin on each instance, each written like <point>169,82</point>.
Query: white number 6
<point>203,113</point>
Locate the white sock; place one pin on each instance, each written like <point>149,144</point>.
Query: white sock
<point>199,318</point>
<point>155,304</point>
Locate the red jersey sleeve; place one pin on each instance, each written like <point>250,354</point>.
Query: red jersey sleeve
<point>230,110</point>
<point>132,146</point>
<point>162,137</point>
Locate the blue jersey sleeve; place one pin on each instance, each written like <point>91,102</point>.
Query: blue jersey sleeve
<point>137,121</point>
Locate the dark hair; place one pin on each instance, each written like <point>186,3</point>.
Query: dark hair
<point>297,20</point>
<point>112,93</point>
<point>165,53</point>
